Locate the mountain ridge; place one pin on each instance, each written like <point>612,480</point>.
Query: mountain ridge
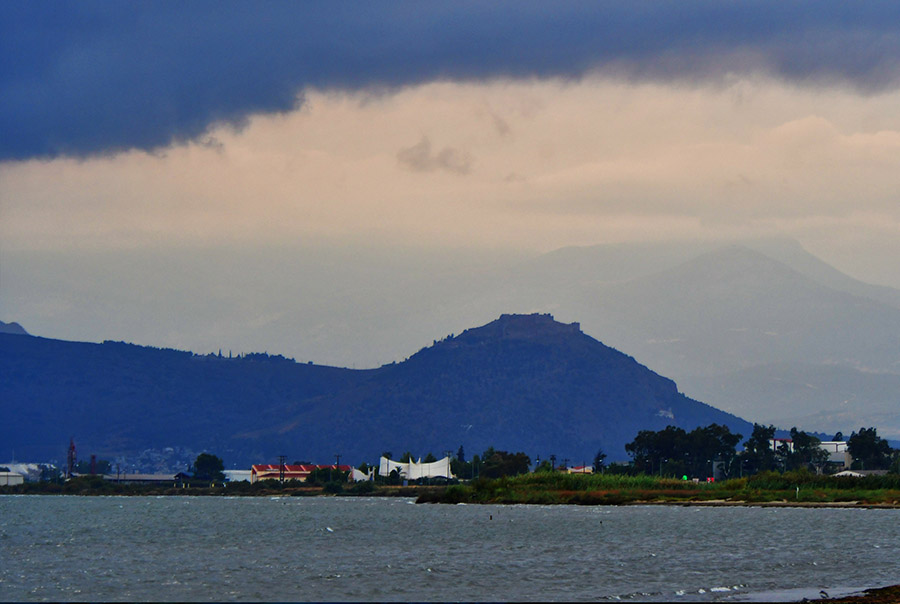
<point>520,382</point>
<point>654,301</point>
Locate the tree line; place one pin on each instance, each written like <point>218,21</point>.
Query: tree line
<point>702,452</point>
<point>711,451</point>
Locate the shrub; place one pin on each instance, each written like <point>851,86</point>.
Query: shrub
<point>333,487</point>
<point>364,487</point>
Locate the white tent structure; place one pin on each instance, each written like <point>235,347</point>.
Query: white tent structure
<point>413,470</point>
<point>359,476</point>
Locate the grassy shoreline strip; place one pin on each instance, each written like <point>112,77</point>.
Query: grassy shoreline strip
<point>798,489</point>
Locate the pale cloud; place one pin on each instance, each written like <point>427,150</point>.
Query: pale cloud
<point>420,158</point>
<point>558,163</point>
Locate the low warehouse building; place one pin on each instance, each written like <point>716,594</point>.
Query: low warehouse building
<point>11,479</point>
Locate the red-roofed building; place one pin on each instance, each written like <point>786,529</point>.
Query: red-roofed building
<point>291,471</point>
<point>581,470</point>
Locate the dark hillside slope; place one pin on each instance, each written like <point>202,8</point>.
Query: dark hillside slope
<point>525,383</point>
<point>118,399</point>
<point>522,382</point>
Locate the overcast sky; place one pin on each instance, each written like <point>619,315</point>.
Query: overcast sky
<point>423,126</point>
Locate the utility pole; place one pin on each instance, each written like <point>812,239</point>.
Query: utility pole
<point>553,462</point>
<point>70,458</point>
<point>281,468</point>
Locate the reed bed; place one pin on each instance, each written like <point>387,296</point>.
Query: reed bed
<point>600,489</point>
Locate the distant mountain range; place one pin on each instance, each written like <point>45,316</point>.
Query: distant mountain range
<point>522,382</point>
<point>732,325</point>
<point>736,327</point>
<point>762,328</point>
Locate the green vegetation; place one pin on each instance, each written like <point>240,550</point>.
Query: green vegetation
<point>663,462</point>
<point>797,487</point>
<point>331,480</point>
<point>806,452</point>
<point>96,485</point>
<point>674,451</point>
<point>502,463</point>
<point>208,467</point>
<point>869,451</point>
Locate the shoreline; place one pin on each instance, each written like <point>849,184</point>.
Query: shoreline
<point>417,493</point>
<point>798,490</point>
<point>889,594</point>
<point>856,505</point>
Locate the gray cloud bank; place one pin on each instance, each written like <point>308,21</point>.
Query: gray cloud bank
<point>86,78</point>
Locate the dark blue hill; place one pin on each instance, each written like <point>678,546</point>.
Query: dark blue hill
<point>118,399</point>
<point>522,382</point>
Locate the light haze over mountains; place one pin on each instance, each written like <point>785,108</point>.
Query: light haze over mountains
<point>760,328</point>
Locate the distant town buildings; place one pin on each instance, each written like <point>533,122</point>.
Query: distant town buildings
<point>290,471</point>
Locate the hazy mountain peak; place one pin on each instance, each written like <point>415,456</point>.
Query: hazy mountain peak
<point>736,258</point>
<point>716,270</point>
<point>522,327</point>
<point>13,328</point>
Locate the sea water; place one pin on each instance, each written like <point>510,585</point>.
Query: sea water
<point>364,549</point>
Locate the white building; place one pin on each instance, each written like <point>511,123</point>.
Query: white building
<point>837,452</point>
<point>238,475</point>
<point>31,471</point>
<point>11,479</point>
<point>413,470</point>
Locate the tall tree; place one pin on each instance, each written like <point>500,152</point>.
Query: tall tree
<point>502,463</point>
<point>652,450</point>
<point>758,453</point>
<point>709,446</point>
<point>208,467</point>
<point>869,451</point>
<point>675,452</point>
<point>599,460</point>
<point>806,452</point>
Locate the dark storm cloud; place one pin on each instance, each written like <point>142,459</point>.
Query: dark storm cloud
<point>88,78</point>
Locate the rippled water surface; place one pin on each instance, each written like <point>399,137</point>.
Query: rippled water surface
<point>201,549</point>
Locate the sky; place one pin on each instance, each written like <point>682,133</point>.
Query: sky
<point>153,130</point>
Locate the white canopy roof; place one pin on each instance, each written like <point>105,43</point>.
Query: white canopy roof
<point>413,470</point>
